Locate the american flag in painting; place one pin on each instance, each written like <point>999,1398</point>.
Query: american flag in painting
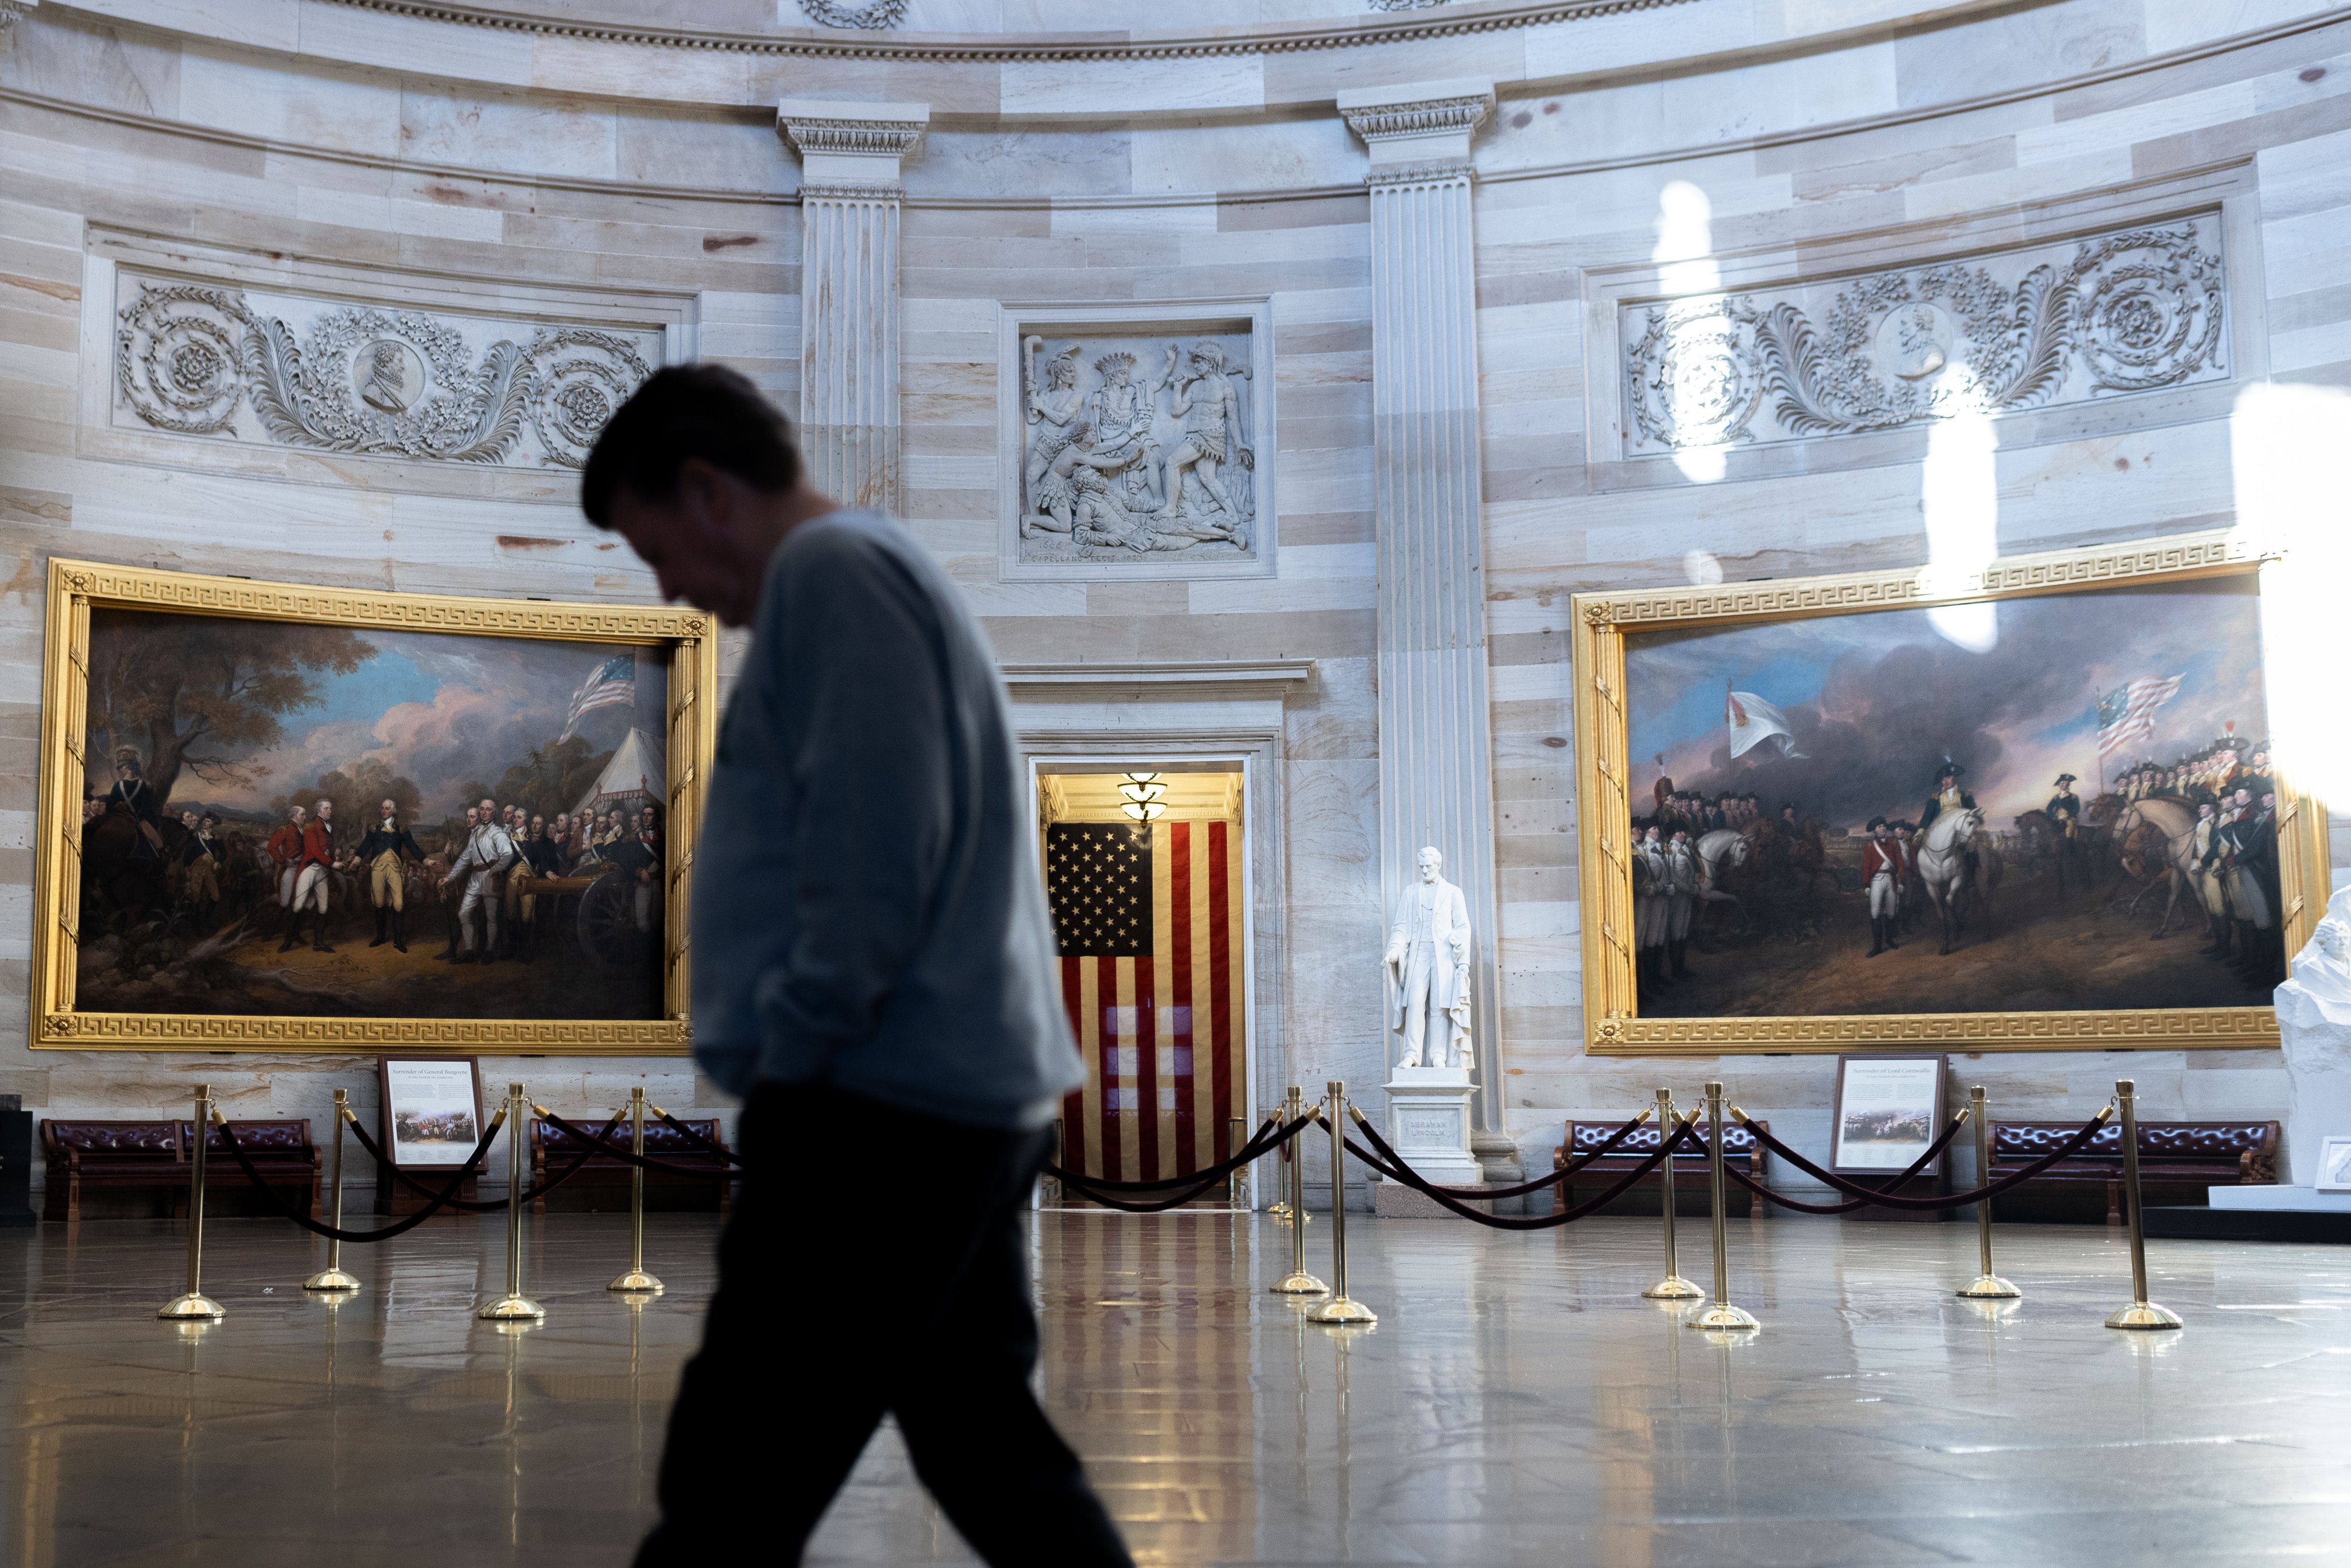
<point>612,684</point>
<point>1148,918</point>
<point>2126,714</point>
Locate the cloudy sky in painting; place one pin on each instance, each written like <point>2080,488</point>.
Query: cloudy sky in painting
<point>1878,700</point>
<point>442,710</point>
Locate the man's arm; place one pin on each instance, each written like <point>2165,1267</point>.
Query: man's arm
<point>857,672</point>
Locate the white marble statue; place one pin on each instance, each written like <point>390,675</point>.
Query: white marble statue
<point>1428,959</point>
<point>2314,1012</point>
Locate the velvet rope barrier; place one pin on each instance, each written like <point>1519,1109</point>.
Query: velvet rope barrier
<point>470,1206</point>
<point>1258,1147</point>
<point>1389,1164</point>
<point>333,1233</point>
<point>1261,1142</point>
<point>601,1143</point>
<point>694,1140</point>
<point>2072,1146</point>
<point>1800,1207</point>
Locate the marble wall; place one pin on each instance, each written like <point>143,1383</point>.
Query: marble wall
<point>318,155</point>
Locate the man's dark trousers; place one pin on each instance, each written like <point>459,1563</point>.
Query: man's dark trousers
<point>845,1292</point>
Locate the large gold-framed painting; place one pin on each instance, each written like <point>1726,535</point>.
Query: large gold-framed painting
<point>276,816</point>
<point>2034,809</point>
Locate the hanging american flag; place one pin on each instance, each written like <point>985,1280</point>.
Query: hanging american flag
<point>612,684</point>
<point>1148,919</point>
<point>2126,714</point>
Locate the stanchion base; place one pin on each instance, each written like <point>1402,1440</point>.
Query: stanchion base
<point>1673,1289</point>
<point>1725,1316</point>
<point>1277,1212</point>
<point>1300,1285</point>
<point>192,1308</point>
<point>1342,1310</point>
<point>331,1279</point>
<point>636,1282</point>
<point>507,1309</point>
<point>2145,1315</point>
<point>1991,1288</point>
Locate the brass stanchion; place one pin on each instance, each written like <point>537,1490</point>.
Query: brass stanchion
<point>332,1277</point>
<point>2141,1314</point>
<point>1989,1286</point>
<point>1299,1283</point>
<point>1722,1314</point>
<point>1340,1308</point>
<point>194,1305</point>
<point>1673,1287</point>
<point>1236,1139</point>
<point>513,1306</point>
<point>636,1280</point>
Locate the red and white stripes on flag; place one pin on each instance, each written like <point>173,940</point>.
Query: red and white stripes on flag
<point>611,684</point>
<point>1150,929</point>
<point>2126,717</point>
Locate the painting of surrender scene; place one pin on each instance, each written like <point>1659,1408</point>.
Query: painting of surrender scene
<point>287,818</point>
<point>2039,804</point>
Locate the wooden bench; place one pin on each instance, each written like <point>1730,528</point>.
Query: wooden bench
<point>2177,1160</point>
<point>603,1180</point>
<point>89,1154</point>
<point>1739,1149</point>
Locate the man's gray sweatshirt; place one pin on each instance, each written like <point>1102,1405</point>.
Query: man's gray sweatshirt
<point>868,910</point>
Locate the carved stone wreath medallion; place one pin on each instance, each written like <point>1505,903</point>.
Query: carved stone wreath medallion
<point>2132,311</point>
<point>196,359</point>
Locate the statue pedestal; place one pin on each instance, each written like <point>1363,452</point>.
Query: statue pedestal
<point>1428,1123</point>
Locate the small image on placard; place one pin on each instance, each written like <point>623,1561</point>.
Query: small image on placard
<point>1885,1112</point>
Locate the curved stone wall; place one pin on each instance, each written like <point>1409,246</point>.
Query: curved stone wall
<point>600,168</point>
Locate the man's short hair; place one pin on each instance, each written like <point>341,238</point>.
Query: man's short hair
<point>687,411</point>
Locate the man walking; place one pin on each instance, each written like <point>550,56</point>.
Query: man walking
<point>874,968</point>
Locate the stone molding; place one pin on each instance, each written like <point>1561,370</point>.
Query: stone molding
<point>893,138</point>
<point>1162,680</point>
<point>1444,172</point>
<point>1389,122</point>
<point>876,194</point>
<point>1278,39</point>
<point>858,149</point>
<point>875,16</point>
<point>2133,309</point>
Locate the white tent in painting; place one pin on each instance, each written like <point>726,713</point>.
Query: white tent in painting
<point>638,775</point>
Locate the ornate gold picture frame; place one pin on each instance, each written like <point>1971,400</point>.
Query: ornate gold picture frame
<point>1631,977</point>
<point>613,894</point>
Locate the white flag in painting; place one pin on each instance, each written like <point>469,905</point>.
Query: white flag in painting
<point>1753,721</point>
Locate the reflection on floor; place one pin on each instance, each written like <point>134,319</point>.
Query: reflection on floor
<point>1518,1402</point>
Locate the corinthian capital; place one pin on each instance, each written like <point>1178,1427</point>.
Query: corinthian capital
<point>858,145</point>
<point>1420,125</point>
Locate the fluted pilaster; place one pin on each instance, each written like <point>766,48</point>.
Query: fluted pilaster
<point>1436,764</point>
<point>850,155</point>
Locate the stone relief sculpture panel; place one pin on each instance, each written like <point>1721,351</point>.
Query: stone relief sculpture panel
<point>199,359</point>
<point>2134,310</point>
<point>1136,446</point>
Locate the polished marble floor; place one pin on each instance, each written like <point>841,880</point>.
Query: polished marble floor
<point>1517,1403</point>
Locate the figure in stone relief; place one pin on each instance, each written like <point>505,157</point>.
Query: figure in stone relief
<point>1210,409</point>
<point>1122,414</point>
<point>1068,471</point>
<point>1428,959</point>
<point>1053,404</point>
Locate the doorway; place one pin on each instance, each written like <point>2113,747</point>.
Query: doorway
<point>1148,879</point>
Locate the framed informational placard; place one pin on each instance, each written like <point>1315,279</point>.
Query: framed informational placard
<point>277,817</point>
<point>432,1109</point>
<point>1888,1111</point>
<point>2335,1165</point>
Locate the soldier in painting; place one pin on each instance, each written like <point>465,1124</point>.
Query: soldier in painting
<point>387,852</point>
<point>133,796</point>
<point>200,857</point>
<point>1683,877</point>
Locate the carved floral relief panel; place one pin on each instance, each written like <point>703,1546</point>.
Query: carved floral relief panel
<point>1137,448</point>
<point>2131,310</point>
<point>288,369</point>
